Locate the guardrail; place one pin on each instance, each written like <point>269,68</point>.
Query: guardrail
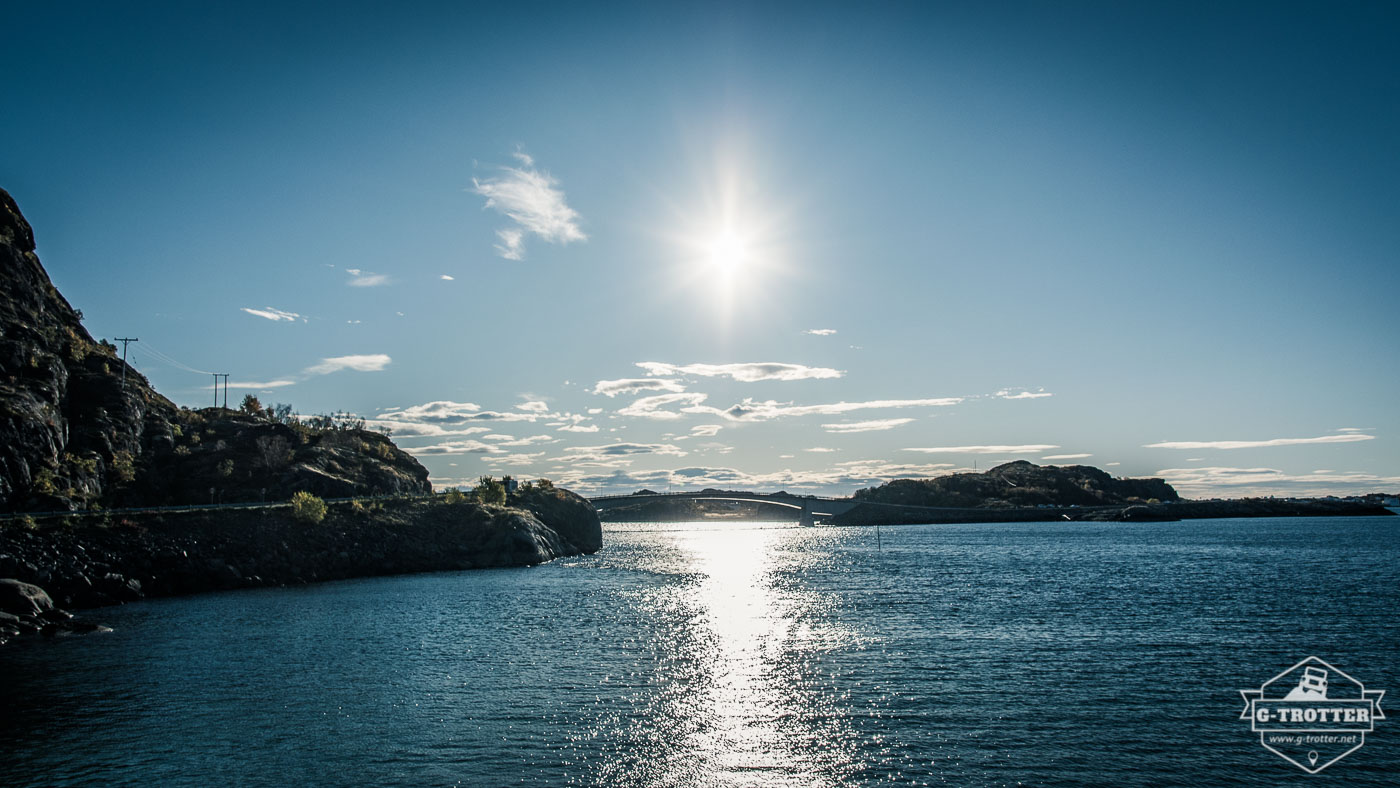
<point>720,494</point>
<point>195,507</point>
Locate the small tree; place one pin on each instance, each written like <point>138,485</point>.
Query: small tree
<point>307,508</point>
<point>455,495</point>
<point>251,405</point>
<point>489,490</point>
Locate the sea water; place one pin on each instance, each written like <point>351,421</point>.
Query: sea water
<point>738,654</point>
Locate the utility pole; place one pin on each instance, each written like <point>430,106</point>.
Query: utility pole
<point>216,389</point>
<point>125,341</point>
<point>223,375</point>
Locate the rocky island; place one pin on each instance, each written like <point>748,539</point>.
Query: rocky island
<point>84,438</point>
<point>1025,492</point>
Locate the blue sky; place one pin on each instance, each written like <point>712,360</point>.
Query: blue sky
<point>807,246</point>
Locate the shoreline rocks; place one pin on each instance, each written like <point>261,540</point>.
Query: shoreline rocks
<point>67,562</point>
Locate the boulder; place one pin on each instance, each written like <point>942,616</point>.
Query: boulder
<point>23,599</point>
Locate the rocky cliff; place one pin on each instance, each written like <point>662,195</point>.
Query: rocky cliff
<point>78,426</point>
<point>81,430</point>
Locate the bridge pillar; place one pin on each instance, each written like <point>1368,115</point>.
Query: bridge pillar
<point>807,519</point>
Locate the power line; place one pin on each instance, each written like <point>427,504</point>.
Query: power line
<point>167,360</point>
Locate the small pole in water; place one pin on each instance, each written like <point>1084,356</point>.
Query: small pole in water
<point>878,544</point>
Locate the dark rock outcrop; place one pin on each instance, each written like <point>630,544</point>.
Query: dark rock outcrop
<point>85,562</point>
<point>569,514</point>
<point>1022,484</point>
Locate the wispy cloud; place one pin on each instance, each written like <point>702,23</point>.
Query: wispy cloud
<point>534,406</point>
<point>1027,448</point>
<point>744,373</point>
<point>1022,394</point>
<point>360,278</point>
<point>751,410</point>
<point>269,384</point>
<point>654,407</point>
<point>820,450</point>
<point>1065,456</point>
<point>512,441</point>
<point>1349,437</point>
<point>456,447</point>
<point>839,478</point>
<point>275,315</point>
<point>820,332</point>
<point>441,411</point>
<point>1233,482</point>
<point>619,452</point>
<point>419,429</point>
<point>612,388</point>
<point>865,426</point>
<point>533,200</point>
<point>363,363</point>
<point>705,430</point>
<point>447,278</point>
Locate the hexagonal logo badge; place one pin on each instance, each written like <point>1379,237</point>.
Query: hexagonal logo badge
<point>1312,715</point>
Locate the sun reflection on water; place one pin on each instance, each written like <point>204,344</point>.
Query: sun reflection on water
<point>762,720</point>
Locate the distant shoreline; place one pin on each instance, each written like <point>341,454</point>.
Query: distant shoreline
<point>891,514</point>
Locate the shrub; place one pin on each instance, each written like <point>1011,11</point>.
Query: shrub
<point>123,469</point>
<point>44,482</point>
<point>307,508</point>
<point>226,468</point>
<point>455,495</point>
<point>489,490</point>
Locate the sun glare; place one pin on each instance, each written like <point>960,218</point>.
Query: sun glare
<point>728,253</point>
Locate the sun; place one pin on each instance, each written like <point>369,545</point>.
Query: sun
<point>727,253</point>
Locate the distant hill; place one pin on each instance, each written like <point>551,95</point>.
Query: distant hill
<point>78,426</point>
<point>1022,484</point>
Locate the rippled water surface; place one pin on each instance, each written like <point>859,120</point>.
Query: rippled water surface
<point>697,655</point>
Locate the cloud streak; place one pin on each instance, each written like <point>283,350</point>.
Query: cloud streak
<point>373,362</point>
<point>877,425</point>
<point>360,278</point>
<point>654,407</point>
<point>1350,437</point>
<point>1026,448</point>
<point>838,478</point>
<point>1234,482</point>
<point>270,384</point>
<point>1022,394</point>
<point>751,410</point>
<point>533,200</point>
<point>613,388</point>
<point>275,315</point>
<point>751,372</point>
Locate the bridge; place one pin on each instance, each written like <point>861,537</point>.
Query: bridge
<point>809,507</point>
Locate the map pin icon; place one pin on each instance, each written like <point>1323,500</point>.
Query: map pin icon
<point>1312,758</point>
